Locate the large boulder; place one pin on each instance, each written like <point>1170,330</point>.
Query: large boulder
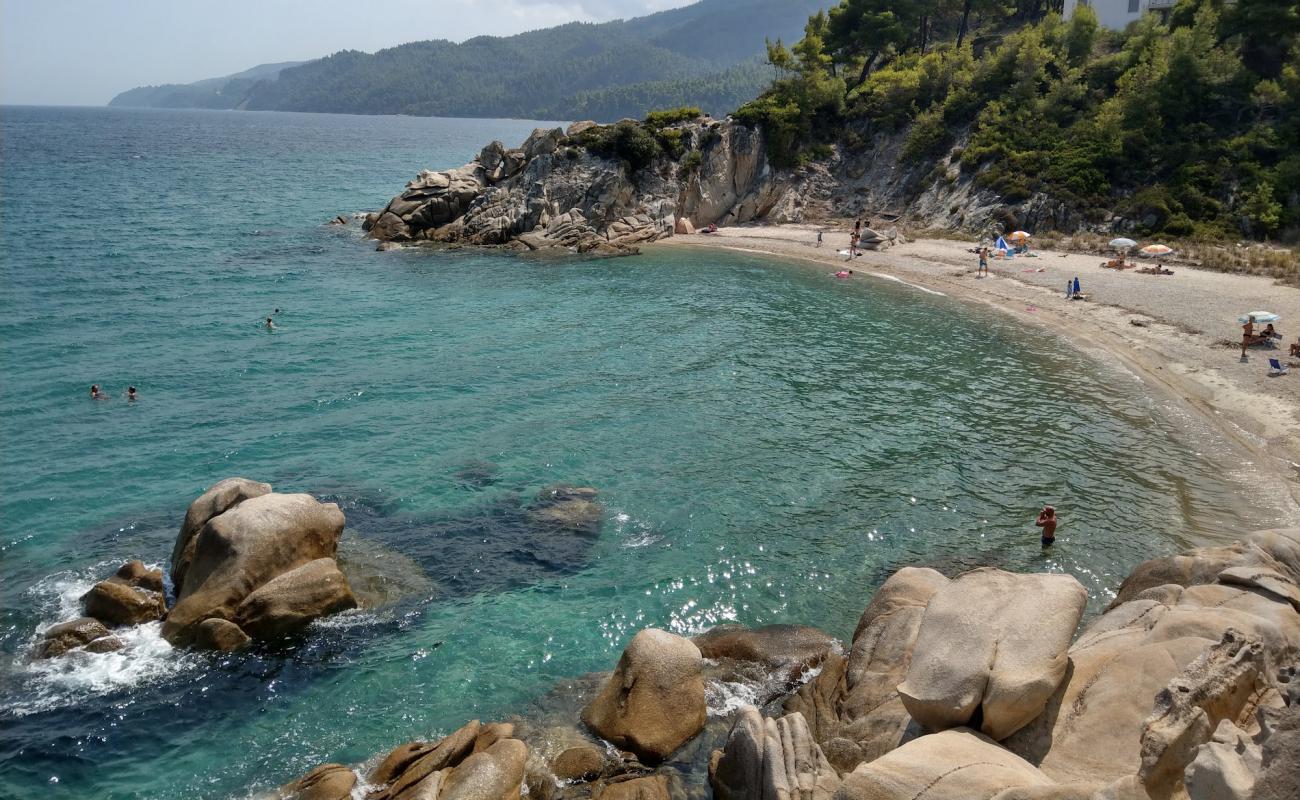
<point>496,773</point>
<point>654,702</point>
<point>135,573</point>
<point>326,782</point>
<point>215,633</point>
<point>411,764</point>
<point>223,496</point>
<point>1225,768</point>
<point>85,632</point>
<point>957,764</point>
<point>650,787</point>
<point>773,646</point>
<point>238,551</point>
<point>1281,762</point>
<point>118,603</point>
<point>994,642</point>
<point>768,759</point>
<point>288,602</point>
<point>1277,549</point>
<point>853,706</point>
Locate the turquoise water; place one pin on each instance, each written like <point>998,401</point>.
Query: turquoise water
<point>768,443</point>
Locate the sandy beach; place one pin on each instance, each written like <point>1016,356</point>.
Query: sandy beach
<point>1179,333</point>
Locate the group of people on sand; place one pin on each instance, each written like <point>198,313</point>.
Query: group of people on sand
<point>1249,337</point>
<point>97,393</point>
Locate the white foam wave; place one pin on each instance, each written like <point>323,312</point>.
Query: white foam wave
<point>725,698</point>
<point>145,657</point>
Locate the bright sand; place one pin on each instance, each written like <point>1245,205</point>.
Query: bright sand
<point>1186,345</point>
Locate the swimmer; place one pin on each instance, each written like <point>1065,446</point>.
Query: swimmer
<point>843,274</point>
<point>130,393</point>
<point>1047,520</point>
<point>270,326</point>
<point>95,393</point>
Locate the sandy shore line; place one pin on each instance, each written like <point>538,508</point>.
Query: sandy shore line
<point>1186,343</point>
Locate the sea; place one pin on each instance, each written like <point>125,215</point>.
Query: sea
<point>768,443</point>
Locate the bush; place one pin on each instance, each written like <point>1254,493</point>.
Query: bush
<point>692,161</point>
<point>928,136</point>
<point>670,140</point>
<point>662,119</point>
<point>627,141</point>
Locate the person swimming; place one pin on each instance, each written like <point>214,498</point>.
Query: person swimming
<point>130,393</point>
<point>95,393</point>
<point>270,326</point>
<point>844,273</point>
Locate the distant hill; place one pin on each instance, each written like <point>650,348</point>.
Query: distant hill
<point>707,54</point>
<point>227,92</point>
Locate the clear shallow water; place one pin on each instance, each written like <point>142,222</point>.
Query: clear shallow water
<point>769,443</point>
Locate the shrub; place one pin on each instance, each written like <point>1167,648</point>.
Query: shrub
<point>928,136</point>
<point>692,161</point>
<point>662,119</point>
<point>671,142</point>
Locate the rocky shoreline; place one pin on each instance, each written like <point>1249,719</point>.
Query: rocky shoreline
<point>973,686</point>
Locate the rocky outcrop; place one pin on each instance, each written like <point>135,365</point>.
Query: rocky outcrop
<point>1277,551</point>
<point>326,782</point>
<point>993,642</point>
<point>767,759</point>
<point>561,189</point>
<point>853,706</point>
<point>264,563</point>
<point>116,602</point>
<point>956,764</point>
<point>654,702</point>
<point>789,649</point>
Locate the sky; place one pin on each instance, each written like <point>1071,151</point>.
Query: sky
<point>83,52</point>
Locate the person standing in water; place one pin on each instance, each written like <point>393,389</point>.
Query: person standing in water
<point>1047,520</point>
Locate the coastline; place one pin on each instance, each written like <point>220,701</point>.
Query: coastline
<point>1180,350</point>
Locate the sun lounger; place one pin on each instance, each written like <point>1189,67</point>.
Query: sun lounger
<point>1276,367</point>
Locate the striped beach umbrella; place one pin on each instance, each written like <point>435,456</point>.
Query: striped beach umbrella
<point>1157,250</point>
<point>1018,236</point>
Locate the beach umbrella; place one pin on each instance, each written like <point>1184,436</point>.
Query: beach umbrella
<point>1122,244</point>
<point>1018,236</point>
<point>1262,317</point>
<point>1157,250</point>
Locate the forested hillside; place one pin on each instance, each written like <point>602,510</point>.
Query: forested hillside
<point>708,54</point>
<point>1187,123</point>
<point>215,93</point>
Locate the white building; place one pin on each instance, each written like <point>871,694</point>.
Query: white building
<point>1117,14</point>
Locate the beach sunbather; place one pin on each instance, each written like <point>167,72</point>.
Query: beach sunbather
<point>1295,347</point>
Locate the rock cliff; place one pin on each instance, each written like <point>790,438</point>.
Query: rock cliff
<point>596,189</point>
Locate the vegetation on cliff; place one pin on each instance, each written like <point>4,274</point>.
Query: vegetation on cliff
<point>1186,124</point>
<point>707,54</point>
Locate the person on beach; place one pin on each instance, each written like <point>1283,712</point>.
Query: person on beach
<point>1295,347</point>
<point>983,270</point>
<point>130,393</point>
<point>1047,520</point>
<point>819,238</point>
<point>1270,332</point>
<point>1077,290</point>
<point>95,393</point>
<point>1248,336</point>
<point>1069,288</point>
<point>853,245</point>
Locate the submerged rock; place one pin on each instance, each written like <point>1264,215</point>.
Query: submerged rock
<point>566,508</point>
<point>654,702</point>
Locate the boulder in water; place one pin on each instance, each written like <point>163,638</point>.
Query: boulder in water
<point>135,573</point>
<point>219,634</point>
<point>770,645</point>
<point>326,782</point>
<point>84,632</point>
<point>566,508</point>
<point>649,787</point>
<point>654,702</point>
<point>582,763</point>
<point>118,603</point>
<point>240,550</point>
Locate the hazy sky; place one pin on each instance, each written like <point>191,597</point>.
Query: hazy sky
<point>82,52</point>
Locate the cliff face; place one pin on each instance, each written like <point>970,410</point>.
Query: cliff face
<point>554,192</point>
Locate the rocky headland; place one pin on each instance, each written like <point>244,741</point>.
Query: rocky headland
<point>970,686</point>
<point>598,189</point>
